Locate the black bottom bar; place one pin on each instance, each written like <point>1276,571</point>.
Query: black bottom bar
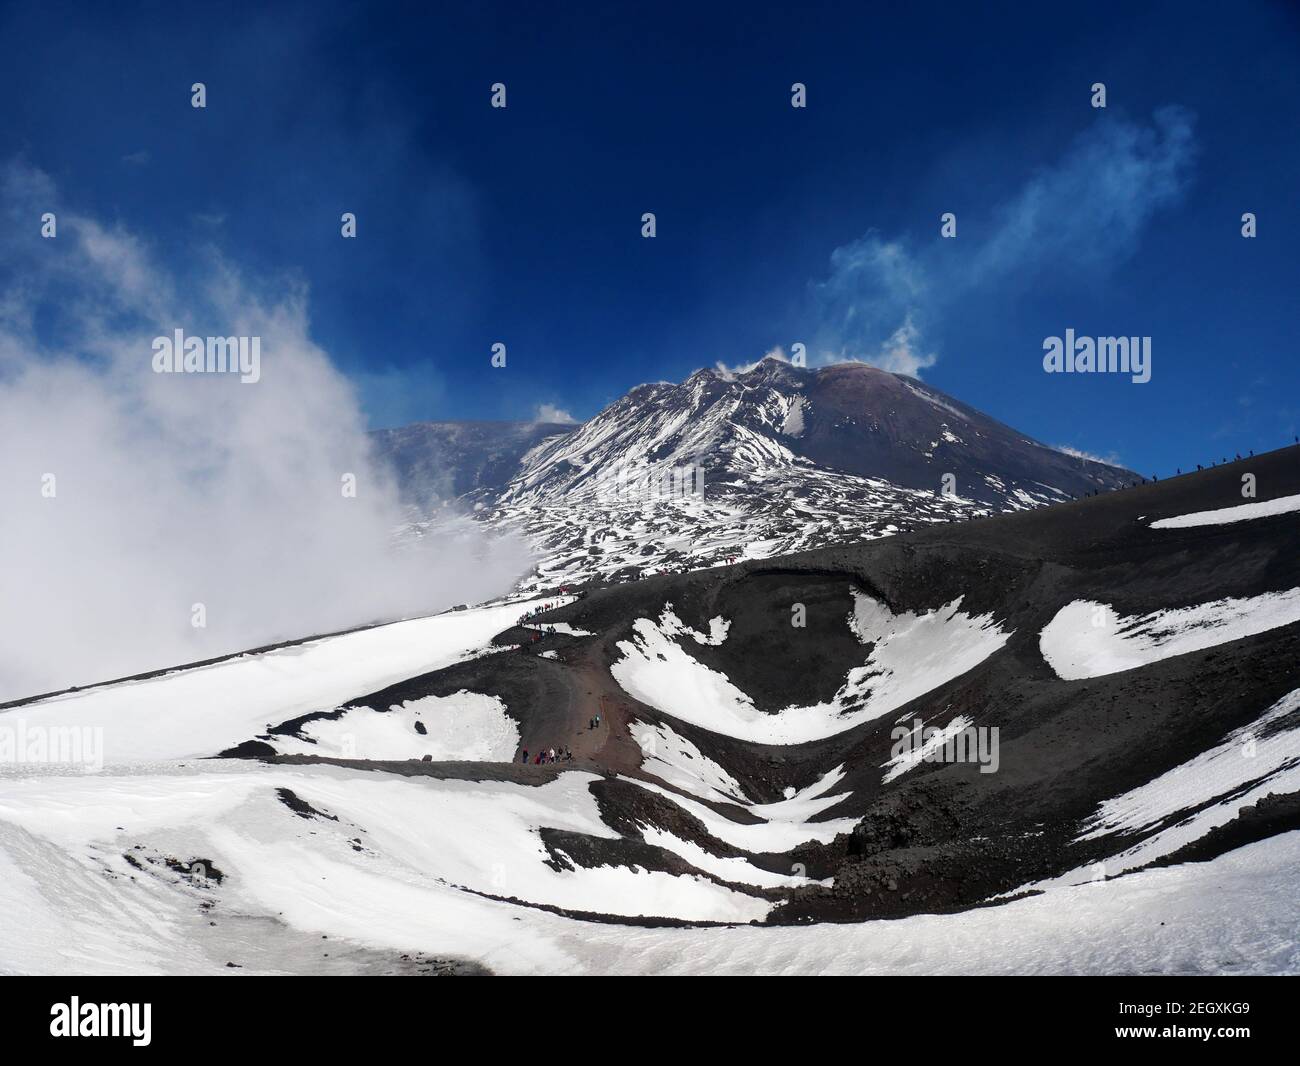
<point>234,1015</point>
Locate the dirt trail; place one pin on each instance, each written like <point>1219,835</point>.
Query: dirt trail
<point>579,688</point>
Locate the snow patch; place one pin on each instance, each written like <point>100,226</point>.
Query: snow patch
<point>792,425</point>
<point>900,764</point>
<point>1243,513</point>
<point>785,824</point>
<point>910,655</point>
<point>464,727</point>
<point>1089,639</point>
<point>560,627</point>
<point>677,762</point>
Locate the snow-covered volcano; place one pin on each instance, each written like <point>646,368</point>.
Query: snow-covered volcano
<point>725,466</point>
<point>778,419</point>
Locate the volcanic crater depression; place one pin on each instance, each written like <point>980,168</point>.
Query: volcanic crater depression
<point>1135,653</point>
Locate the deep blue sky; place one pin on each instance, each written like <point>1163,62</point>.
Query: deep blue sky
<point>523,225</point>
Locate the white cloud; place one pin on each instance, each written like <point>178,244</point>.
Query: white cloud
<point>177,489</point>
<point>548,412</point>
<point>1087,212</point>
<point>1078,453</point>
<point>730,373</point>
<point>869,305</point>
<point>899,354</point>
<point>1083,214</point>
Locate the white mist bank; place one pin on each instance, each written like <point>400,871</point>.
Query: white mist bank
<point>130,497</point>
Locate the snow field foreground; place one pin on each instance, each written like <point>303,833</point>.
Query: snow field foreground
<point>293,880</point>
<point>385,859</point>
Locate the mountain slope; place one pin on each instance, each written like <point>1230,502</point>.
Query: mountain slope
<point>439,460</point>
<point>847,419</point>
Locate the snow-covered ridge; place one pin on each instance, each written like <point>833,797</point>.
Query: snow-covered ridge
<point>201,711</point>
